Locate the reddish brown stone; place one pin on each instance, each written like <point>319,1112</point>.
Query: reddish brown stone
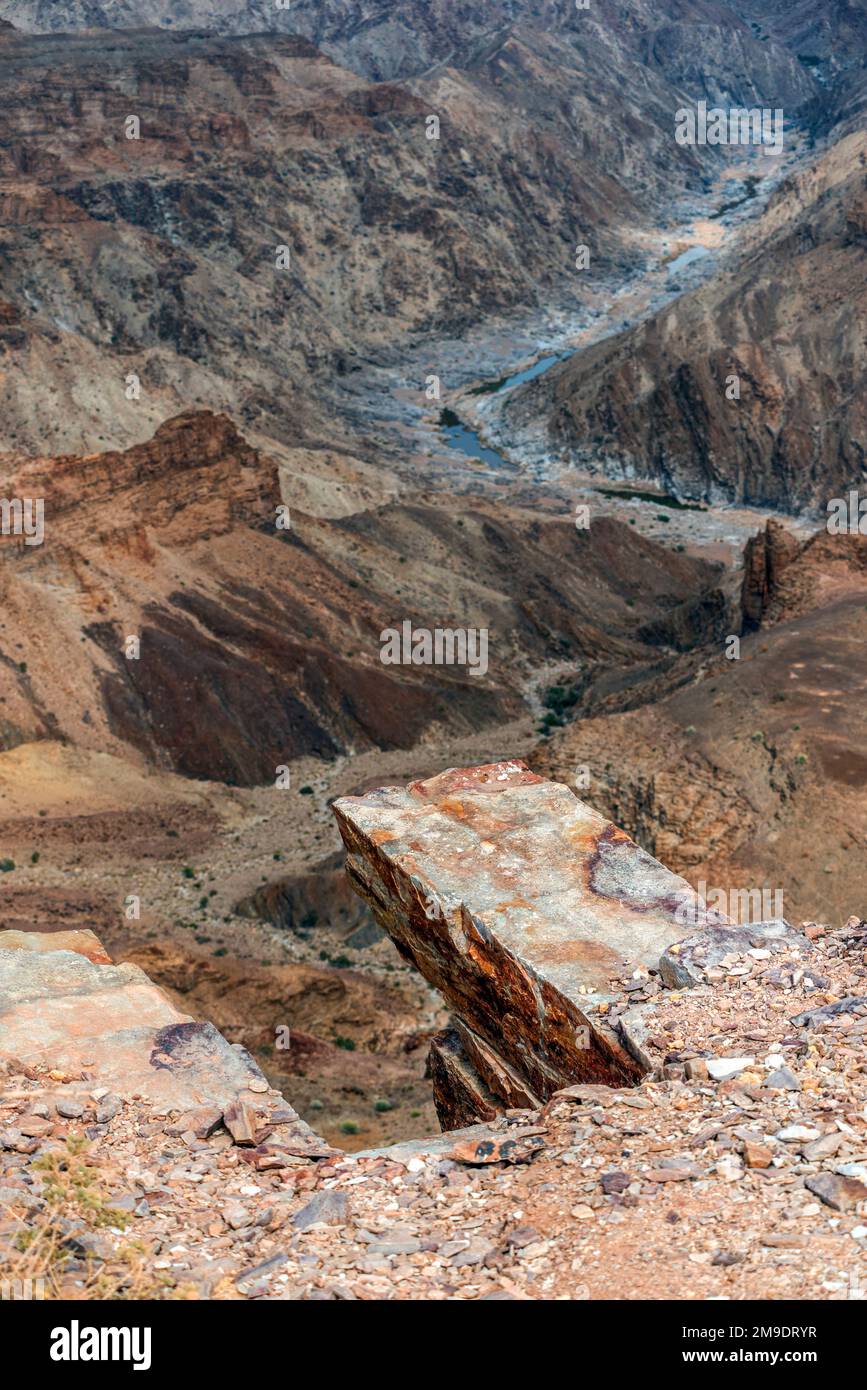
<point>460,1095</point>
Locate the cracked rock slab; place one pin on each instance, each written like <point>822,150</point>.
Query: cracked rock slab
<point>520,903</point>
<point>460,1095</point>
<point>67,1010</point>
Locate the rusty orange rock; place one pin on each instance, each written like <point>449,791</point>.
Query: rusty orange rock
<point>520,903</point>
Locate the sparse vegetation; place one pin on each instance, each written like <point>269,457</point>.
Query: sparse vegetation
<point>77,1205</point>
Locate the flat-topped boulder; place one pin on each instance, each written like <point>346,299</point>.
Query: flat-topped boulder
<point>66,1008</point>
<point>521,904</point>
<point>82,942</point>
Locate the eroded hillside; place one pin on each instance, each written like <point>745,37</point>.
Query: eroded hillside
<point>751,388</point>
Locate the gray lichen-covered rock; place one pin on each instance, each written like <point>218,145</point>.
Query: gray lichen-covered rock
<point>685,963</point>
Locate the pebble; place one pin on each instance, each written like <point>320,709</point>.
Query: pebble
<point>793,1134</point>
<point>836,1191</point>
<point>757,1155</point>
<point>720,1068</point>
<point>69,1109</point>
<point>782,1080</point>
<point>108,1109</point>
<point>325,1206</point>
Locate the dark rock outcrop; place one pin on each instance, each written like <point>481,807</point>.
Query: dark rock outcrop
<point>766,556</point>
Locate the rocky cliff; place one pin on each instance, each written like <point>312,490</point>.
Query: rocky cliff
<point>258,644</point>
<point>154,251</point>
<point>142,1157</point>
<point>750,389</point>
<point>722,777</point>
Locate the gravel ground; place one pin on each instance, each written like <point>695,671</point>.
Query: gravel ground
<point>738,1169</point>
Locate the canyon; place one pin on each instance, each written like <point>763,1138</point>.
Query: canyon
<point>303,357</point>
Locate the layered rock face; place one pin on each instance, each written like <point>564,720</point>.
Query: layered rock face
<point>766,556</point>
<point>521,905</point>
<point>713,44</point>
<point>258,645</point>
<point>157,255</point>
<point>829,41</point>
<point>753,773</point>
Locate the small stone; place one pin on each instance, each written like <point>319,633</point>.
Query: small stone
<point>757,1155</point>
<point>241,1121</point>
<point>128,1202</point>
<point>389,1248</point>
<point>69,1109</point>
<point>521,1236</point>
<point>474,1255</point>
<point>782,1080</point>
<point>679,1174</point>
<point>108,1109</point>
<point>794,1134</point>
<point>720,1068</point>
<point>258,1274</point>
<point>259,1085</point>
<point>696,1069</point>
<point>506,1148</point>
<point>614,1182</point>
<point>837,1192</point>
<point>88,1245</point>
<point>236,1216</point>
<point>825,1147</point>
<point>17,1197</point>
<point>33,1127</point>
<point>324,1206</point>
<point>582,1212</point>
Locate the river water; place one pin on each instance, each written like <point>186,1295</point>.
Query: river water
<point>471,408</point>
